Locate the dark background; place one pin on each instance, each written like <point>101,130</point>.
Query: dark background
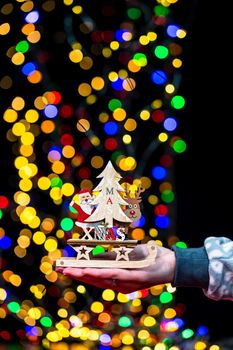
<point>204,172</point>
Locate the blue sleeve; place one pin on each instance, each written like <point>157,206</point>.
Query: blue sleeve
<point>220,255</point>
<point>191,267</point>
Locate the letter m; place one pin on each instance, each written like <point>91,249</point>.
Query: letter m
<point>109,190</point>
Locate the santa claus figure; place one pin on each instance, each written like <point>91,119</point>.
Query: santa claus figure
<point>84,209</point>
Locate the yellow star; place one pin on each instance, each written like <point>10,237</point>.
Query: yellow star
<point>83,252</point>
<point>122,253</point>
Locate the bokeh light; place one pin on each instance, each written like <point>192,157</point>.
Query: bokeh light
<point>84,83</point>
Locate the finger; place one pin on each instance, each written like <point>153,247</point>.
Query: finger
<point>59,269</point>
<point>102,274</point>
<point>99,283</point>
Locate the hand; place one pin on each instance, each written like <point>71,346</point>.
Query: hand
<point>127,280</point>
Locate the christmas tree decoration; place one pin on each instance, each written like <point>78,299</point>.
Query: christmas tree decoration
<point>106,225</point>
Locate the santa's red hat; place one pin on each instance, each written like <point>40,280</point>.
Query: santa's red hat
<point>84,190</point>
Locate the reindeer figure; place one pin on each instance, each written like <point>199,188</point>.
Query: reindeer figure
<point>133,210</point>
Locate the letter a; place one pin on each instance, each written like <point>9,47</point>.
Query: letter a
<point>109,201</point>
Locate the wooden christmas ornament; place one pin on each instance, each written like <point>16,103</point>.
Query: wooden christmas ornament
<point>105,219</point>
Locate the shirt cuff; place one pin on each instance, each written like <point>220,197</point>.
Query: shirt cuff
<point>191,267</point>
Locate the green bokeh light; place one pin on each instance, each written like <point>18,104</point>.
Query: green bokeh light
<point>14,307</point>
<point>177,102</point>
<point>134,13</point>
<point>124,321</point>
<point>165,297</point>
<point>181,244</point>
<point>161,10</point>
<point>167,196</point>
<point>187,333</point>
<point>97,250</point>
<point>22,46</point>
<point>67,224</point>
<point>46,321</point>
<point>56,182</point>
<point>161,51</point>
<point>179,146</point>
<point>114,104</point>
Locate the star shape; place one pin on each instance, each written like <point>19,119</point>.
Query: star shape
<point>83,252</point>
<point>122,253</point>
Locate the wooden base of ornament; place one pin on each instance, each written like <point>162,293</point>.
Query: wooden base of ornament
<point>121,249</point>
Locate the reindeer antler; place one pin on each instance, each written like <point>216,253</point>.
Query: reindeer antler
<point>139,191</point>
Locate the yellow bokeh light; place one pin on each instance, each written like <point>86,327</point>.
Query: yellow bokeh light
<point>129,84</point>
<point>84,89</point>
<point>23,241</point>
<point>39,237</point>
<point>3,294</point>
<point>169,88</point>
<point>18,103</point>
<point>44,183</point>
<point>27,138</point>
<point>160,346</point>
<point>177,63</point>
<point>20,162</point>
<point>149,321</point>
<point>162,137</point>
<point>55,193</point>
<point>18,129</point>
<point>119,114</point>
<point>31,115</point>
<point>10,115</point>
<point>58,167</point>
<point>20,252</point>
<point>4,28</point>
<point>181,33</point>
<point>77,9</point>
<point>18,58</point>
<point>97,162</point>
<point>114,45</point>
<point>83,125</point>
<point>107,52</point>
<point>144,40</point>
<point>130,124</point>
<point>15,280</point>
<point>67,189</point>
<point>34,37</point>
<point>25,185</point>
<point>112,76</point>
<point>108,295</point>
<point>152,199</point>
<point>50,244</point>
<point>153,232</point>
<point>145,114</point>
<point>34,313</point>
<point>76,56</point>
<point>68,151</point>
<point>97,83</point>
<point>97,307</point>
<point>86,63</point>
<point>122,298</point>
<point>170,313</point>
<point>26,150</point>
<point>127,339</point>
<point>91,99</point>
<point>200,345</point>
<point>152,36</point>
<point>127,139</point>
